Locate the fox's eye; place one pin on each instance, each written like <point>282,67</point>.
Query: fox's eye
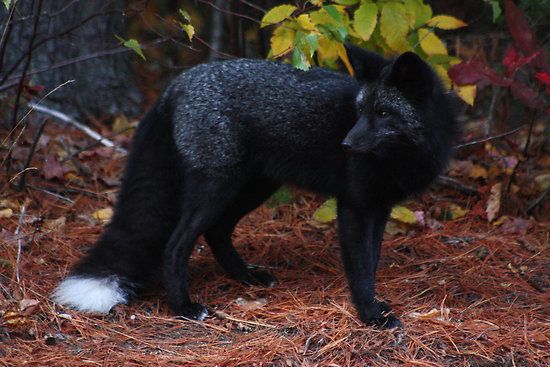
<point>383,113</point>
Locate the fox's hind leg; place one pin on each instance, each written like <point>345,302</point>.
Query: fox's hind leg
<point>204,200</point>
<point>252,195</point>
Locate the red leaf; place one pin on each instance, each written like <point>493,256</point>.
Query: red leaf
<point>528,96</point>
<point>519,28</point>
<point>523,36</point>
<point>476,72</point>
<point>513,61</point>
<point>543,77</point>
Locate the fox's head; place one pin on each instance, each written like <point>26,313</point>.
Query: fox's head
<point>401,105</point>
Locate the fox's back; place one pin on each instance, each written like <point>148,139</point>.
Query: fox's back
<point>226,112</point>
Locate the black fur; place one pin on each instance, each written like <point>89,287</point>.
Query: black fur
<point>226,135</point>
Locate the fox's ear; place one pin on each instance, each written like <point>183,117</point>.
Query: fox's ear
<point>409,73</point>
<point>366,64</point>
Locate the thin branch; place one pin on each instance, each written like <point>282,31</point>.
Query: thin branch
<point>76,60</point>
<point>57,35</point>
<point>489,138</point>
<point>456,185</point>
<point>66,118</point>
<point>525,153</point>
<point>19,247</point>
<point>22,180</point>
<point>6,35</point>
<point>240,15</point>
<point>537,201</point>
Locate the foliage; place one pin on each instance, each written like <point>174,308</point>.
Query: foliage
<point>315,33</point>
<point>525,70</point>
<point>132,44</point>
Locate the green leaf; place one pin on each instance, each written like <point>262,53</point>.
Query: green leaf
<point>326,212</point>
<point>299,60</point>
<point>277,14</point>
<point>364,20</point>
<point>185,15</point>
<point>394,26</point>
<point>495,5</point>
<point>346,2</point>
<point>7,3</point>
<point>132,44</point>
<point>333,12</point>
<point>418,11</point>
<point>282,196</point>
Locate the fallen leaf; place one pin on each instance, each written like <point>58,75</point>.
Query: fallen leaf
<point>403,214</point>
<point>543,181</point>
<point>103,215</point>
<point>326,212</point>
<point>493,204</point>
<point>52,168</point>
<point>55,223</point>
<point>6,213</point>
<point>247,305</point>
<point>442,314</point>
<point>478,171</point>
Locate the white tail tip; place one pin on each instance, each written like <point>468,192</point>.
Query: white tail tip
<point>89,294</point>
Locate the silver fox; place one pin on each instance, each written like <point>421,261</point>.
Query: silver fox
<point>226,135</point>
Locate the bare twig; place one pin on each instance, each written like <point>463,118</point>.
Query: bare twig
<point>457,185</point>
<point>53,36</point>
<point>489,138</point>
<point>19,247</point>
<point>525,153</point>
<point>6,34</point>
<point>537,201</point>
<point>78,59</point>
<point>22,180</point>
<point>63,117</point>
<point>22,79</point>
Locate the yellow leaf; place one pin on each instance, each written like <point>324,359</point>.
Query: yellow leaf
<point>364,20</point>
<point>282,41</point>
<point>6,213</point>
<point>394,26</point>
<point>189,29</point>
<point>328,49</point>
<point>103,214</point>
<point>344,57</point>
<point>304,21</point>
<point>326,212</point>
<point>445,22</point>
<point>277,14</point>
<point>466,92</point>
<point>442,73</point>
<point>430,43</point>
<point>403,214</point>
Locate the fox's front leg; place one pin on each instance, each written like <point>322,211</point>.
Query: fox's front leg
<point>360,239</point>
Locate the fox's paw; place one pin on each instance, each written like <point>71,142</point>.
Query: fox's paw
<point>258,277</point>
<point>193,311</point>
<point>379,315</point>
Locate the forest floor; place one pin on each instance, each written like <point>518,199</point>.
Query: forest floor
<point>469,291</point>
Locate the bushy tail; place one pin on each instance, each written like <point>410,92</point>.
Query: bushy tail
<point>128,256</point>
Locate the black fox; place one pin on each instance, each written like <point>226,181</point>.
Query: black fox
<point>226,135</point>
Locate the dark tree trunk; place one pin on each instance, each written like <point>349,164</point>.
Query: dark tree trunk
<point>72,36</point>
